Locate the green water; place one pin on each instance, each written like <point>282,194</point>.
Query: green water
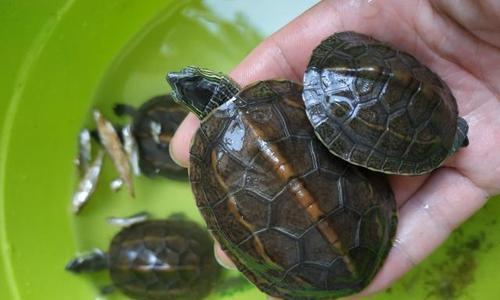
<point>66,57</point>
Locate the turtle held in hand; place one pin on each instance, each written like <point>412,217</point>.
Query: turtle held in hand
<point>298,222</point>
<point>380,108</point>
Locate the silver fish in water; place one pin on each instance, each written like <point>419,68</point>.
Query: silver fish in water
<point>88,184</point>
<point>84,151</point>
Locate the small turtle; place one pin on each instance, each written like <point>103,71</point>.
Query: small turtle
<point>154,124</point>
<point>156,259</point>
<point>380,108</point>
<point>298,222</point>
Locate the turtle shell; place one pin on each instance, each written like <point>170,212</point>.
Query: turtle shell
<point>298,222</point>
<point>163,259</point>
<point>378,107</point>
<point>155,122</point>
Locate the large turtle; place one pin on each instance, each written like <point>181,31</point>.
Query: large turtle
<point>297,221</point>
<point>379,108</point>
<point>154,123</point>
<point>156,259</point>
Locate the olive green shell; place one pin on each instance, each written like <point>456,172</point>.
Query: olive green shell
<point>154,156</point>
<point>378,107</point>
<point>163,259</point>
<point>298,222</point>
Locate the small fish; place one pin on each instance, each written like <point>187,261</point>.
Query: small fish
<point>84,151</point>
<point>111,142</point>
<point>116,184</point>
<point>127,221</point>
<point>88,184</point>
<point>130,145</point>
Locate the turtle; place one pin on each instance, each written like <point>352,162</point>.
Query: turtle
<point>380,108</point>
<point>153,126</point>
<point>156,259</point>
<point>298,222</point>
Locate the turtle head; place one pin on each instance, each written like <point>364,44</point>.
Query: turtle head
<point>93,261</point>
<point>201,90</point>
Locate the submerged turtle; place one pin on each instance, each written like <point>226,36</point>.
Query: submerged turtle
<point>297,221</point>
<point>156,259</point>
<point>154,124</point>
<point>380,108</point>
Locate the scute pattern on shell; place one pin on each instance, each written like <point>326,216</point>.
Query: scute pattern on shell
<point>163,259</point>
<point>272,195</point>
<point>378,107</point>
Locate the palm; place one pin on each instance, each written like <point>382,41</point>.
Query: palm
<point>456,40</point>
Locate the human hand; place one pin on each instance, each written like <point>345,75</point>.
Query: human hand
<point>460,41</point>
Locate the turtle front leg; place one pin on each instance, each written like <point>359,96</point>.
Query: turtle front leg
<point>93,261</point>
<point>461,139</point>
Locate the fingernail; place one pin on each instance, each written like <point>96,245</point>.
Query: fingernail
<point>218,256</point>
<point>172,156</point>
<point>223,264</point>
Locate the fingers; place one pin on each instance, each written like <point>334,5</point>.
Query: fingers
<point>480,160</point>
<point>222,257</point>
<point>405,186</point>
<point>473,15</point>
<point>181,141</point>
<point>285,53</point>
<point>426,220</point>
<point>226,262</point>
